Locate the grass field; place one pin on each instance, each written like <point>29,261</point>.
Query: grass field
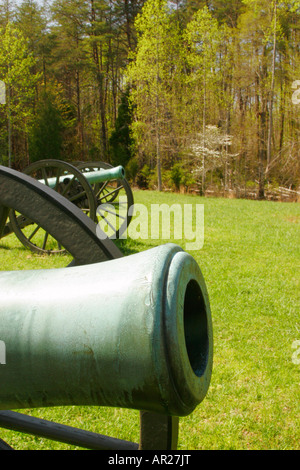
<point>251,263</point>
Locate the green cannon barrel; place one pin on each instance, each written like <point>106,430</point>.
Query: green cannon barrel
<point>134,332</point>
<point>98,176</point>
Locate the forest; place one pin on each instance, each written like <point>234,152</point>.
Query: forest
<point>199,96</point>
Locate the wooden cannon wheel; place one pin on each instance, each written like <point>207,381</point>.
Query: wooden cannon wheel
<point>68,182</point>
<point>77,233</point>
<point>55,215</point>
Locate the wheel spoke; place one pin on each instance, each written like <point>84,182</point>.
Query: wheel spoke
<point>57,179</point>
<point>45,240</point>
<point>44,175</point>
<point>34,232</point>
<point>109,194</point>
<point>108,223</point>
<point>114,213</point>
<point>77,196</point>
<point>67,187</point>
<point>101,189</point>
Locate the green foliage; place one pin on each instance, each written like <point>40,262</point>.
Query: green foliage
<point>203,37</point>
<point>154,73</point>
<point>190,64</point>
<point>179,176</point>
<point>31,21</point>
<point>17,71</point>
<point>144,177</point>
<point>176,175</point>
<point>131,169</point>
<point>121,139</point>
<point>45,139</point>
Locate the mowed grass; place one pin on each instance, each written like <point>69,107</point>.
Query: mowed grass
<point>251,264</point>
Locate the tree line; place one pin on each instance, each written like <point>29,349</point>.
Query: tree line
<point>194,94</point>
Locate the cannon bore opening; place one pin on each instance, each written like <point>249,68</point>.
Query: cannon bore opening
<point>195,328</point>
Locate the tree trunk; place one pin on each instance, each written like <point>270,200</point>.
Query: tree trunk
<point>102,98</point>
<point>270,130</point>
<point>262,153</point>
<point>203,185</point>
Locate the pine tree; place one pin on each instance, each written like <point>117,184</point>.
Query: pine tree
<point>121,140</point>
<point>7,12</point>
<point>45,140</point>
<point>71,54</point>
<point>31,20</point>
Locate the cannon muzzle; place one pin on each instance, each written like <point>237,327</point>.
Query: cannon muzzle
<point>134,332</point>
<point>100,176</point>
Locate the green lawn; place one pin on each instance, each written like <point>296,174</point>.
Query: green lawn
<point>251,263</point>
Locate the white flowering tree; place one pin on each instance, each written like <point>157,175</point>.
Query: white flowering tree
<point>214,154</point>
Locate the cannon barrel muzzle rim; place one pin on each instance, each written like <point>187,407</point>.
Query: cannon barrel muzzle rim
<point>187,300</point>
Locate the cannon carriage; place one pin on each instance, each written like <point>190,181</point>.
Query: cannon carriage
<point>107,330</point>
<point>98,189</point>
